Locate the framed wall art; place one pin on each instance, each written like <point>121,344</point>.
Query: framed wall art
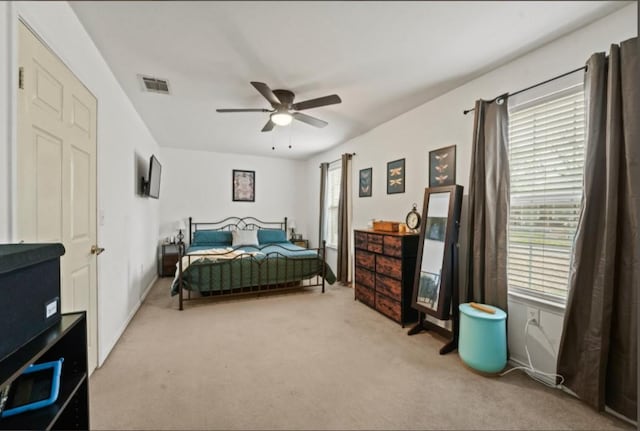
<point>442,167</point>
<point>364,188</point>
<point>395,177</point>
<point>244,186</point>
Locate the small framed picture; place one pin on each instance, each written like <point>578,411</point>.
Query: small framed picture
<point>442,167</point>
<point>244,186</point>
<point>395,177</point>
<point>364,190</point>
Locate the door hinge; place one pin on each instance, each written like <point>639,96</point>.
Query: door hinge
<point>21,78</point>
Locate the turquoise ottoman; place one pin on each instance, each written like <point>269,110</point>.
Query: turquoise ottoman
<point>482,341</point>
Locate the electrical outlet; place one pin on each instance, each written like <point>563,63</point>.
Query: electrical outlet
<point>533,316</point>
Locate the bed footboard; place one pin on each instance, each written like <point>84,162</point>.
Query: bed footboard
<point>202,276</point>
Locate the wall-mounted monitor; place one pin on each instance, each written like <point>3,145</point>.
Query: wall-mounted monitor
<point>151,186</point>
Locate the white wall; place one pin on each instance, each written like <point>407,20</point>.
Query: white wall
<point>128,224</point>
<point>198,184</point>
<point>440,123</point>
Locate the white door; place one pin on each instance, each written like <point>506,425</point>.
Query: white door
<point>56,175</point>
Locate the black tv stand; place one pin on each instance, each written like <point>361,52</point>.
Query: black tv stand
<point>66,339</point>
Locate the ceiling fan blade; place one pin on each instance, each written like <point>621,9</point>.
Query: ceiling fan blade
<point>266,92</point>
<point>315,103</point>
<point>309,119</point>
<point>242,110</point>
<point>269,126</point>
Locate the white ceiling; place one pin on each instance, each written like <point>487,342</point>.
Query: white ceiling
<point>382,58</point>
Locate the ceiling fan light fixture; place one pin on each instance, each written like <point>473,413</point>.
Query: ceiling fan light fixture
<point>284,111</point>
<point>281,118</point>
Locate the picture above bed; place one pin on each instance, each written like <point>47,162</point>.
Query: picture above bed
<point>244,186</point>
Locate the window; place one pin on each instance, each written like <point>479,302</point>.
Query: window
<point>333,197</point>
<point>546,152</point>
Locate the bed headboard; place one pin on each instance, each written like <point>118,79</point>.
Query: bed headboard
<point>235,223</point>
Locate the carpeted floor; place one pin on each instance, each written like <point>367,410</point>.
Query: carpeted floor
<point>303,360</point>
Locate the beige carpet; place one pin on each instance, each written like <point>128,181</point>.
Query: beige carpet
<point>303,360</point>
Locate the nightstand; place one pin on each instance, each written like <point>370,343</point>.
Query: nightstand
<point>167,259</point>
<point>301,242</point>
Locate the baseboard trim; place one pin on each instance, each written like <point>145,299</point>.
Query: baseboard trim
<point>128,320</point>
<point>147,290</point>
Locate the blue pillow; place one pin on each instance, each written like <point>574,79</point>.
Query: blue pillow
<point>212,237</point>
<point>271,236</point>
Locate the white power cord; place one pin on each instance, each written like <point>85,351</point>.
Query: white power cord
<point>530,370</point>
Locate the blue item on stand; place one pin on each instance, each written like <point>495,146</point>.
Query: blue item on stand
<point>38,386</point>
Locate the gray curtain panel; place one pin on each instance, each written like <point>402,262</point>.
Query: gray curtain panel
<point>598,354</point>
<point>343,221</point>
<point>488,205</point>
<point>324,172</point>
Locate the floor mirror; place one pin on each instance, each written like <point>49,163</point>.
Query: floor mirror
<point>435,282</point>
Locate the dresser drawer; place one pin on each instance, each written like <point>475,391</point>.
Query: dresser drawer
<point>365,295</point>
<point>366,259</point>
<point>374,238</point>
<point>389,287</point>
<point>365,277</point>
<point>374,243</point>
<point>388,307</point>
<point>392,246</point>
<point>389,266</point>
<point>360,240</point>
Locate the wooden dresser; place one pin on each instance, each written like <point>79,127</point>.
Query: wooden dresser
<point>385,265</point>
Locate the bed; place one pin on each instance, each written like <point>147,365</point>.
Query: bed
<point>244,255</point>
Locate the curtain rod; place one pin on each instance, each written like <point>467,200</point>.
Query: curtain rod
<point>337,160</point>
<point>466,111</point>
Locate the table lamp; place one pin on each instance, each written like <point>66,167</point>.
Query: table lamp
<point>180,226</point>
<point>292,225</point>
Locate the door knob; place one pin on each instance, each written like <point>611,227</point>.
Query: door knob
<point>96,250</point>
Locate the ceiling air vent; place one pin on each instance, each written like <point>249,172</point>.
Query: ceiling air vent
<point>154,85</point>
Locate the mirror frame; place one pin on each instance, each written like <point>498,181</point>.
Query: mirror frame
<point>450,241</point>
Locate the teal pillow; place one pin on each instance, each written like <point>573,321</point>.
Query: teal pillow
<point>212,237</point>
<point>271,236</point>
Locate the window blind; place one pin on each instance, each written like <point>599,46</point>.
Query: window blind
<point>546,151</point>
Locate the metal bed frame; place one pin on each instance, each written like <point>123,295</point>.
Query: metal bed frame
<point>246,223</point>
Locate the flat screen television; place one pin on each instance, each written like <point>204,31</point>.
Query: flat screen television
<point>153,182</point>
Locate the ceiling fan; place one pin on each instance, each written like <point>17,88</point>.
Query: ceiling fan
<point>284,110</point>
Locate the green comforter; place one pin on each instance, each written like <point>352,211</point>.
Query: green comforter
<point>266,265</point>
